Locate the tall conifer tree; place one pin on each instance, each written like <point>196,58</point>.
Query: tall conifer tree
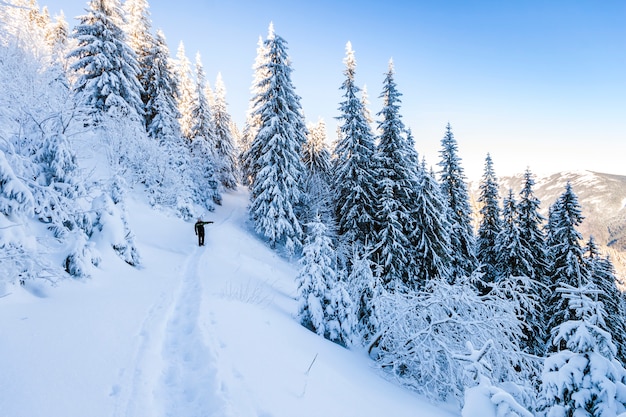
<point>161,108</point>
<point>490,224</point>
<point>316,158</point>
<point>353,179</point>
<point>186,92</point>
<point>455,192</point>
<point>432,231</point>
<point>139,36</point>
<point>276,193</point>
<point>566,255</point>
<point>225,143</point>
<point>106,67</point>
<point>249,155</point>
<point>603,276</point>
<point>397,184</point>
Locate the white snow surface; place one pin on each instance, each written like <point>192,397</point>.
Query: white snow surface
<point>195,331</point>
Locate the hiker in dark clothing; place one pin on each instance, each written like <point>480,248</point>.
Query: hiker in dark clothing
<point>199,228</point>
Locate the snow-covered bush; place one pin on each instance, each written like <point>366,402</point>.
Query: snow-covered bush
<point>422,334</point>
<point>110,225</point>
<point>482,398</point>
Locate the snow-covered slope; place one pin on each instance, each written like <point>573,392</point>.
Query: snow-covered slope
<point>195,331</point>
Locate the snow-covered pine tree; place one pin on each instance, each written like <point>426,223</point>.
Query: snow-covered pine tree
<point>603,276</point>
<point>532,240</point>
<point>139,36</point>
<point>201,112</point>
<point>201,169</point>
<point>58,171</point>
<point>276,192</point>
<point>454,189</point>
<point>365,103</point>
<point>106,67</point>
<point>582,376</point>
<point>531,232</point>
<point>226,152</point>
<point>565,254</point>
<point>513,261</point>
<point>186,89</point>
<point>431,235</point>
<point>172,186</point>
<point>248,155</point>
<point>365,291</point>
<point>160,91</point>
<point>324,304</point>
<point>317,194</point>
<point>490,226</point>
<point>396,193</point>
<point>353,173</point>
<point>57,37</point>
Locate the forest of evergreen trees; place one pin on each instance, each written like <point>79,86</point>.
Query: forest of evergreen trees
<point>389,259</point>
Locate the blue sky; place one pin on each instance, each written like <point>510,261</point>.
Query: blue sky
<point>538,84</point>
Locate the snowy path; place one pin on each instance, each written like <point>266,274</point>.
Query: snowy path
<point>190,373</point>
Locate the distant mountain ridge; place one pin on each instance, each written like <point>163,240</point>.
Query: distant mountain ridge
<point>601,196</point>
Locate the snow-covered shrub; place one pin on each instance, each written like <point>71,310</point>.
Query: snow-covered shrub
<point>111,229</point>
<point>482,398</point>
<point>15,197</point>
<point>422,333</point>
<point>82,258</point>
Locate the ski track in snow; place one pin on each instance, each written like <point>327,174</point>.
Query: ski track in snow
<point>190,375</point>
<point>175,363</point>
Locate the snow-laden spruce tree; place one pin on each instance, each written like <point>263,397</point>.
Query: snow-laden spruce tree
<point>248,156</point>
<point>186,90</point>
<point>566,255</point>
<point>603,276</point>
<point>582,377</point>
<point>532,240</point>
<point>318,197</point>
<point>57,169</point>
<point>432,231</point>
<point>161,110</point>
<point>489,228</point>
<point>531,228</point>
<point>353,173</point>
<point>396,192</point>
<point>454,189</point>
<point>365,291</point>
<point>201,112</point>
<point>513,263</point>
<point>138,29</point>
<point>324,304</point>
<point>106,67</point>
<point>172,185</point>
<point>58,39</point>
<point>201,169</point>
<point>225,152</point>
<point>276,191</point>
